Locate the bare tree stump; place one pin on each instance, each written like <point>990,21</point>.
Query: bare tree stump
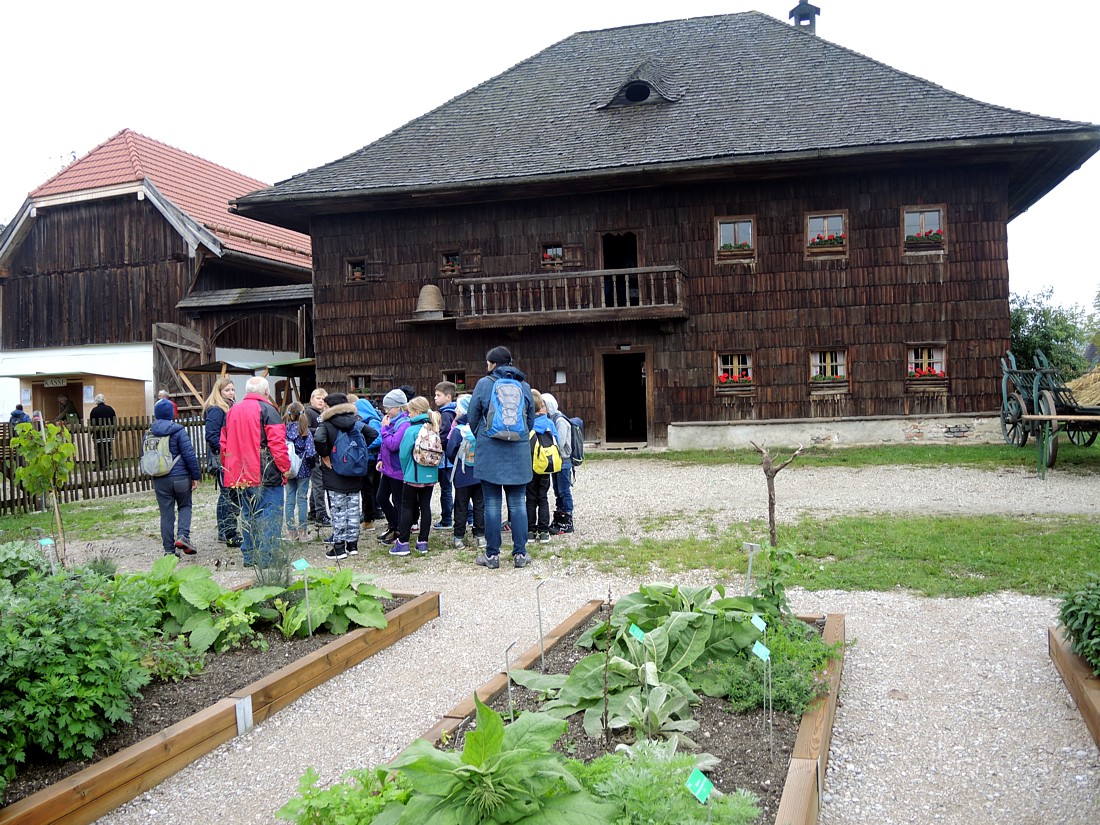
<point>771,470</point>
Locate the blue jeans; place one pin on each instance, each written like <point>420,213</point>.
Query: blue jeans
<point>297,502</point>
<point>261,523</point>
<point>563,488</point>
<point>517,511</point>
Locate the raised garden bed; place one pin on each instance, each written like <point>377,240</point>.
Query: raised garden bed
<point>94,791</point>
<point>1082,684</point>
<point>800,800</point>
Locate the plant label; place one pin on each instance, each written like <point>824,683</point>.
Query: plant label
<point>761,652</point>
<point>758,623</point>
<point>637,633</point>
<point>301,564</point>
<point>699,785</point>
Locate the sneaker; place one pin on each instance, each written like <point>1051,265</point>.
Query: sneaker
<point>492,562</point>
<point>184,543</point>
<point>330,539</point>
<point>519,560</point>
<point>175,553</point>
<point>481,542</point>
<point>422,547</point>
<point>506,527</point>
<point>234,542</point>
<point>544,538</point>
<point>389,537</point>
<point>460,543</point>
<point>336,552</point>
<point>531,536</point>
<point>441,524</point>
<point>353,548</point>
<point>400,548</point>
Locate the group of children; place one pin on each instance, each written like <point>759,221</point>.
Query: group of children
<point>403,465</point>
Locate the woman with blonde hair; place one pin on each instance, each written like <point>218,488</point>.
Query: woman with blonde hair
<point>298,440</point>
<point>219,401</point>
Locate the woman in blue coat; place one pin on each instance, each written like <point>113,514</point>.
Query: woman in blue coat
<point>503,467</point>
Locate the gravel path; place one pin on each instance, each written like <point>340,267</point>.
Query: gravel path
<point>951,711</point>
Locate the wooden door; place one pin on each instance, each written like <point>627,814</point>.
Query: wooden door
<point>177,347</point>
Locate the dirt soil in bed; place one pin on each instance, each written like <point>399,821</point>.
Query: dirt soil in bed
<point>166,703</point>
<point>752,758</point>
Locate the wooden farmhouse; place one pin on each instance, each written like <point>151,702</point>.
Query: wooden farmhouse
<point>715,219</point>
<point>127,265</point>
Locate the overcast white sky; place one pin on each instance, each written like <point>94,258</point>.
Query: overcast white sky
<point>272,89</point>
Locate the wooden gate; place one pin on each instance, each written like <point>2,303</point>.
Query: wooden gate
<point>177,347</point>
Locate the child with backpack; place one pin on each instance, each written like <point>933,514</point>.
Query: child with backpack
<point>420,453</point>
<point>461,452</point>
<point>176,474</point>
<point>545,463</point>
<point>391,480</point>
<point>568,436</point>
<point>299,444</point>
<point>445,392</point>
<point>341,441</point>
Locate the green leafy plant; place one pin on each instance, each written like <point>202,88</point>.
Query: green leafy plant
<point>799,659</point>
<point>661,714</point>
<point>171,659</point>
<point>503,775</point>
<point>71,665</point>
<point>226,622</point>
<point>364,795</point>
<point>1080,615</point>
<point>773,584</point>
<point>46,458</point>
<point>336,601</point>
<point>646,782</point>
<point>19,559</point>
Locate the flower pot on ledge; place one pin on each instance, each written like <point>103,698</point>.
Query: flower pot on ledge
<point>736,389</point>
<point>832,386</point>
<point>921,385</point>
<point>827,249</point>
<point>736,254</point>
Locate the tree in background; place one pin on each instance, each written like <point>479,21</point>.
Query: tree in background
<point>1059,332</point>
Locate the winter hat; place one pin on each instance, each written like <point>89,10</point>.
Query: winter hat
<point>335,398</point>
<point>462,405</point>
<point>499,355</point>
<point>551,403</point>
<point>164,410</point>
<point>393,399</point>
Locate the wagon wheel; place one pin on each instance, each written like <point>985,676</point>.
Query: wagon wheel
<point>1048,407</point>
<point>1013,427</point>
<point>1082,438</point>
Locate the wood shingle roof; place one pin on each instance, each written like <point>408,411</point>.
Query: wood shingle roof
<point>733,88</point>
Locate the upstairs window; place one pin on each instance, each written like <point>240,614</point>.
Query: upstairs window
<point>735,238</point>
<point>553,255</point>
<point>450,263</point>
<point>826,232</point>
<point>361,271</point>
<point>923,229</point>
<point>458,378</point>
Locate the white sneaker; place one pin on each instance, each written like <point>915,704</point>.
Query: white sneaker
<point>460,543</point>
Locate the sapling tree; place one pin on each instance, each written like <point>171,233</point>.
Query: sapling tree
<point>771,470</point>
<point>46,458</point>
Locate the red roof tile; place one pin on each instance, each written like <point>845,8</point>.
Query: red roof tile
<point>195,186</point>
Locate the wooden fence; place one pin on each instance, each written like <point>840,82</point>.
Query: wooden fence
<point>88,480</point>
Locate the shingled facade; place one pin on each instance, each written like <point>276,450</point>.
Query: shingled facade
<point>666,223</point>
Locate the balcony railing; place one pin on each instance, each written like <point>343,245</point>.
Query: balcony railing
<point>651,292</point>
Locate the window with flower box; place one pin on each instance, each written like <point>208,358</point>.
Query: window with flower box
<point>362,271</point>
<point>733,373</point>
<point>553,256</point>
<point>450,263</point>
<point>926,369</point>
<point>828,371</point>
<point>371,386</point>
<point>735,239</point>
<point>458,378</point>
<point>826,233</point>
<point>922,228</point>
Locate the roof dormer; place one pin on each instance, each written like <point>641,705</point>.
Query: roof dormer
<point>645,85</point>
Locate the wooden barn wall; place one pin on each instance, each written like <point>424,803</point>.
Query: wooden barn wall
<point>99,272</point>
<point>871,304</point>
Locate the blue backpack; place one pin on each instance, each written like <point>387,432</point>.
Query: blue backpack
<point>506,417</point>
<point>349,452</point>
<point>576,447</point>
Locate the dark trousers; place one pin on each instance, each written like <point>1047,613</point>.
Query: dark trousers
<point>173,493</point>
<point>367,493</point>
<point>446,496</point>
<point>389,498</point>
<point>104,447</point>
<point>228,509</point>
<point>466,497</point>
<point>538,504</point>
<point>416,504</point>
<point>318,509</point>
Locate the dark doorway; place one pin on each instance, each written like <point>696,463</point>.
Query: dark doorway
<point>625,398</point>
<point>620,251</point>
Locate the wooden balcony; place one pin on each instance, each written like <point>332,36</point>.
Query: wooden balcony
<point>555,297</point>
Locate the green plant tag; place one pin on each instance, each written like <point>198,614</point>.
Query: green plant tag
<point>758,623</point>
<point>637,633</point>
<point>300,564</point>
<point>45,542</point>
<point>699,785</point>
<point>761,652</point>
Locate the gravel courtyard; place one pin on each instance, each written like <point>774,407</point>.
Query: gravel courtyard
<point>951,711</point>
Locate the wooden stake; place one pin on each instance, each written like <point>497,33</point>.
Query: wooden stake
<point>770,472</point>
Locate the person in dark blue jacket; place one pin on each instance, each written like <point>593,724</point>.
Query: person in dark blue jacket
<point>174,490</point>
<point>221,398</point>
<point>370,416</point>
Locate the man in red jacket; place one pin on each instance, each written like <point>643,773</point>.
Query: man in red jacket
<point>255,461</point>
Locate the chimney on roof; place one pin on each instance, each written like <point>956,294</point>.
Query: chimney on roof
<point>804,16</point>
